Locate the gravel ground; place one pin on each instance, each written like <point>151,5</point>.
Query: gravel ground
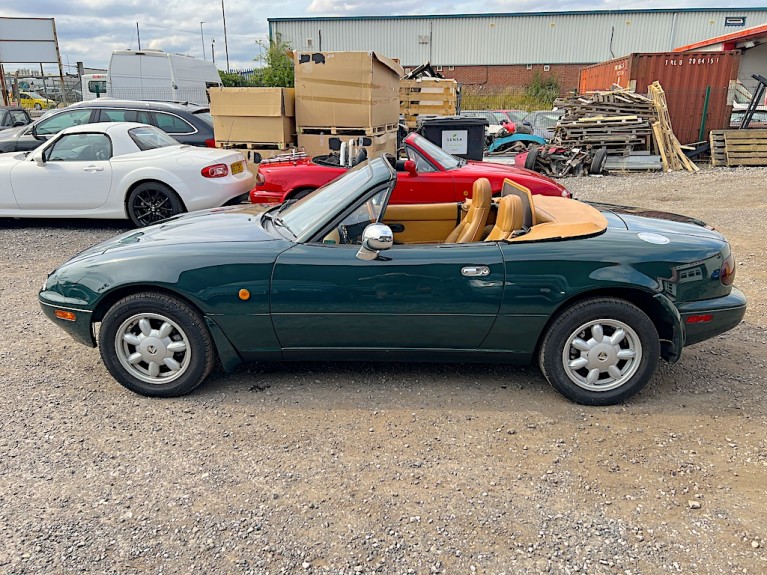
<point>387,468</point>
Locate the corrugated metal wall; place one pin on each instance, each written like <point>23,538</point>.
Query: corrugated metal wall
<point>551,38</point>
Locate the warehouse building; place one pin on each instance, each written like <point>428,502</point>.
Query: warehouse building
<point>491,51</point>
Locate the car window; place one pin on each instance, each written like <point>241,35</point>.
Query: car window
<point>149,138</point>
<point>421,163</point>
<point>172,124</point>
<point>205,115</point>
<point>109,115</point>
<point>55,124</point>
<point>18,116</point>
<point>349,231</point>
<point>80,148</point>
<point>5,119</point>
<point>439,155</point>
<point>547,119</point>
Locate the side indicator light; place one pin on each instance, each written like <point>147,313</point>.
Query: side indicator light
<point>65,315</point>
<point>703,318</point>
<point>244,295</point>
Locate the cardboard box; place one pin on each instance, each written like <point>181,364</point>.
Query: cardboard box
<point>252,101</point>
<point>259,115</point>
<point>318,144</point>
<point>346,89</point>
<point>256,129</point>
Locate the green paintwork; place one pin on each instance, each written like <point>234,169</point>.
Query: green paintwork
<point>313,300</point>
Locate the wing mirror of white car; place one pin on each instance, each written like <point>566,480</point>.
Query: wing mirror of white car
<point>375,237</point>
<point>39,157</point>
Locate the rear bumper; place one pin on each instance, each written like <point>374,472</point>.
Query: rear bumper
<point>726,313</point>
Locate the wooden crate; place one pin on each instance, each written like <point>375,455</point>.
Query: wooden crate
<point>745,147</point>
<point>718,155</point>
<point>437,96</point>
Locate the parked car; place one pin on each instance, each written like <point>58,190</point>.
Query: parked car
<point>594,294</point>
<point>188,123</point>
<point>13,117</point>
<point>430,174</point>
<point>514,116</point>
<point>35,100</point>
<point>494,119</point>
<point>543,122</point>
<point>118,170</point>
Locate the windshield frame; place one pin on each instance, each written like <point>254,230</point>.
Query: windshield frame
<point>439,157</point>
<point>313,213</point>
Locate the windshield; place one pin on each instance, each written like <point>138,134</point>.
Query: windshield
<point>439,155</point>
<point>326,201</point>
<point>500,117</point>
<point>149,138</point>
<point>548,119</point>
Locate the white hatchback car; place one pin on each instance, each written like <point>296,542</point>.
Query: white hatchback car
<point>119,170</point>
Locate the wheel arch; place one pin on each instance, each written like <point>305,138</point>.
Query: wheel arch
<point>648,302</point>
<point>137,183</point>
<point>224,349</point>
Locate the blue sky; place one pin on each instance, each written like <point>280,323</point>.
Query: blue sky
<point>88,30</point>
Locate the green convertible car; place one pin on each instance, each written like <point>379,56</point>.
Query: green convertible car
<point>594,293</point>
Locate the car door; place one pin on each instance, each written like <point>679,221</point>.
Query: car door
<point>412,298</point>
<point>76,175</point>
<point>429,184</point>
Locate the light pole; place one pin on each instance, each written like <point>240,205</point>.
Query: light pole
<point>202,39</point>
<point>213,50</point>
<point>226,44</point>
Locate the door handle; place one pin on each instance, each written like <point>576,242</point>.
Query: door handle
<point>93,169</point>
<point>474,271</point>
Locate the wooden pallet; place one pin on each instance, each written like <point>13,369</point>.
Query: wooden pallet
<point>338,131</point>
<point>718,155</point>
<point>745,147</point>
<point>228,145</point>
<point>671,153</point>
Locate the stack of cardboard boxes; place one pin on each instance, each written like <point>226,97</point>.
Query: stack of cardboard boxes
<point>340,95</point>
<point>258,121</point>
<point>346,95</point>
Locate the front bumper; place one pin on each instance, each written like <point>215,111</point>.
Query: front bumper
<point>81,328</point>
<point>726,313</point>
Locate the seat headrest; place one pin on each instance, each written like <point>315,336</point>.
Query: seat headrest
<point>510,213</point>
<point>481,193</point>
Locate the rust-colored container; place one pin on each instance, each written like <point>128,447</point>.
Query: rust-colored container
<point>685,77</point>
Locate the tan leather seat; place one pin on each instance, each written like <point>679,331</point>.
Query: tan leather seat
<point>509,219</point>
<point>471,227</point>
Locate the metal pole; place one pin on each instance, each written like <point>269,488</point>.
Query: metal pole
<point>213,50</point>
<point>226,44</point>
<point>202,39</point>
<point>702,132</point>
<point>138,35</point>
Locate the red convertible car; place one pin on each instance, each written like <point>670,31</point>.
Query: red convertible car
<point>433,175</point>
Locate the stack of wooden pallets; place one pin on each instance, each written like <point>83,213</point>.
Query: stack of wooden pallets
<point>618,120</point>
<point>434,96</point>
<point>738,147</point>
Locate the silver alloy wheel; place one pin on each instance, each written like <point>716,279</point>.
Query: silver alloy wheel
<point>152,348</point>
<point>602,355</point>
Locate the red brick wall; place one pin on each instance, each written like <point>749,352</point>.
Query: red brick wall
<point>494,78</point>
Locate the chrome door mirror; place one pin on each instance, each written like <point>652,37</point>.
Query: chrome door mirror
<point>375,237</point>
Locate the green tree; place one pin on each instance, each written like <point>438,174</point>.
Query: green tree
<point>274,68</point>
<point>543,89</point>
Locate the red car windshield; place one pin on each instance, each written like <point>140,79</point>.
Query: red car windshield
<point>447,161</point>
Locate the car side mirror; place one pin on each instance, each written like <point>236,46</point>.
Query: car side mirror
<point>410,168</point>
<point>375,237</point>
<point>39,157</point>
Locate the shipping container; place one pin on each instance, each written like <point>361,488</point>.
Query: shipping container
<point>693,82</point>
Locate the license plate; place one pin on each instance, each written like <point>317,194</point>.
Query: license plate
<point>237,167</point>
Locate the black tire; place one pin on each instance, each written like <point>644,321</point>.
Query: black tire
<point>598,162</point>
<point>531,158</point>
<point>575,331</point>
<point>151,202</point>
<point>137,352</point>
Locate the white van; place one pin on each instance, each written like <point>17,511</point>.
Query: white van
<point>155,75</point>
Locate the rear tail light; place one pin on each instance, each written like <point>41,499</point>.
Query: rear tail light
<point>215,171</point>
<point>210,143</point>
<point>727,271</point>
<point>260,179</point>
